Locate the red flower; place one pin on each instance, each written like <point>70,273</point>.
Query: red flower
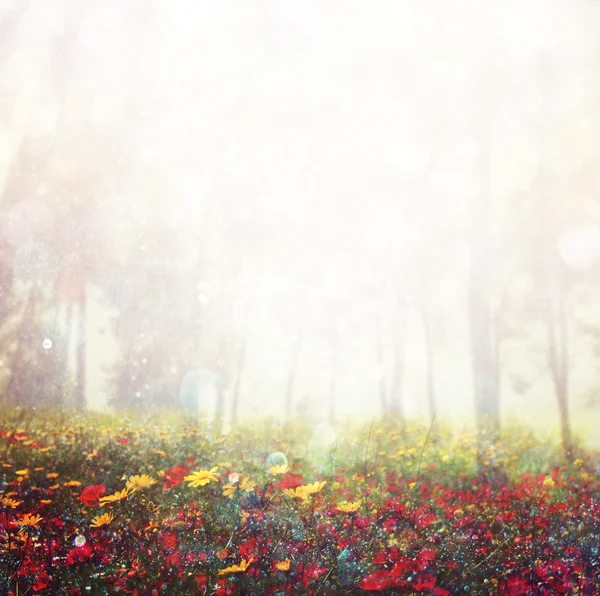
<point>380,580</point>
<point>425,582</point>
<point>123,440</point>
<point>312,572</point>
<point>175,476</point>
<point>79,554</point>
<point>90,494</point>
<point>362,522</point>
<point>173,560</point>
<point>291,480</point>
<point>201,580</point>
<point>387,556</point>
<point>425,557</point>
<point>516,586</point>
<point>42,581</point>
<point>168,540</point>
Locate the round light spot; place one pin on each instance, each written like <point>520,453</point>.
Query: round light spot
<point>579,245</point>
<point>276,459</point>
<point>79,540</point>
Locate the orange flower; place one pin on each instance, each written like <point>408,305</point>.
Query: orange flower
<point>33,521</point>
<point>237,568</point>
<point>283,565</point>
<point>8,502</point>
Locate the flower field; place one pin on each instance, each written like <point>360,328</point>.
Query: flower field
<point>103,506</point>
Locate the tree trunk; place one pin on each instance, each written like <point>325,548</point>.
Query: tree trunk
<point>291,379</point>
<point>235,394</point>
<point>14,393</point>
<point>430,364</point>
<point>556,324</point>
<point>485,383</point>
<point>399,342</point>
<point>556,320</point>
<point>80,388</point>
<point>334,365</point>
<point>63,365</point>
<point>219,410</point>
<point>380,365</point>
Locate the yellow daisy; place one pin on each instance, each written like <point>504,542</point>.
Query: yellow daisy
<point>346,507</point>
<point>102,520</point>
<point>202,477</point>
<point>118,496</point>
<point>139,482</point>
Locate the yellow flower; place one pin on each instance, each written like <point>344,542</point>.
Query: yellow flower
<point>159,452</point>
<point>458,513</point>
<point>152,527</point>
<point>237,568</point>
<point>139,482</point>
<point>22,472</point>
<point>32,521</point>
<point>295,493</point>
<point>102,520</point>
<point>279,469</point>
<point>229,490</point>
<point>578,462</point>
<point>118,496</point>
<point>346,507</point>
<point>283,565</point>
<point>315,487</point>
<point>52,475</point>
<point>202,477</point>
<point>46,501</point>
<point>12,503</point>
<point>246,485</point>
<point>549,482</point>
<point>71,483</point>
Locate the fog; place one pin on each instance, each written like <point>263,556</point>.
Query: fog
<point>283,194</point>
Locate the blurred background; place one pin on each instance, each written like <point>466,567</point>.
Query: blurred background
<point>302,208</point>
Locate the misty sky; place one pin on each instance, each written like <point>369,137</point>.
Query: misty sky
<point>333,124</point>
